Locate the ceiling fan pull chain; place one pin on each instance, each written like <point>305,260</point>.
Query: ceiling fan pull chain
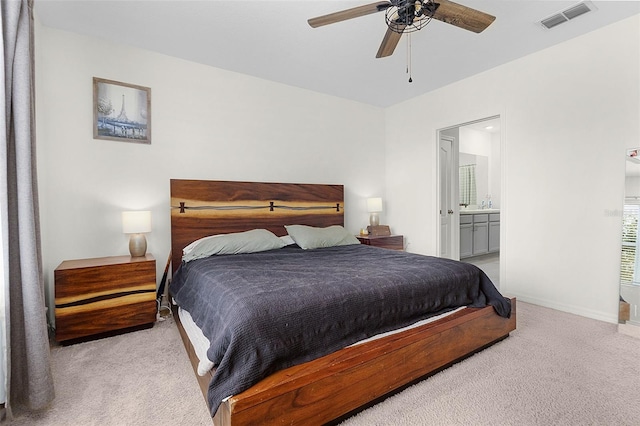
<point>409,57</point>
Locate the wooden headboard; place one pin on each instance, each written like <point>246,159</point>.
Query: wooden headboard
<point>200,208</point>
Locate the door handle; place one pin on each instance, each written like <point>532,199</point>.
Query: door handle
<point>450,211</point>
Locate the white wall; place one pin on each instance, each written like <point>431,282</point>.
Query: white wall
<point>632,181</point>
<point>632,186</point>
<point>567,115</point>
<point>495,170</point>
<point>475,142</point>
<point>207,123</point>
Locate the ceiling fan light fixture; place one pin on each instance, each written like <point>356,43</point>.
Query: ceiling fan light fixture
<point>409,16</point>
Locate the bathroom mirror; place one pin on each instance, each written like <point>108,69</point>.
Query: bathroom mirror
<point>629,314</point>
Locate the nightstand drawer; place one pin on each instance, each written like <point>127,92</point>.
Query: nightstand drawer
<point>94,296</point>
<point>95,318</point>
<point>393,242</point>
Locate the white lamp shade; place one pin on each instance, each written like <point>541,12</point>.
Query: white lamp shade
<point>374,205</point>
<point>136,222</point>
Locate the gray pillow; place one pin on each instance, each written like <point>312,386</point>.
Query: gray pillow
<point>309,237</point>
<point>252,241</point>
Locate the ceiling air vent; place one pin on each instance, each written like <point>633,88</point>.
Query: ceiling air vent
<point>554,20</point>
<point>567,14</point>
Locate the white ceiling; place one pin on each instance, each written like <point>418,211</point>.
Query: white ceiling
<point>272,40</point>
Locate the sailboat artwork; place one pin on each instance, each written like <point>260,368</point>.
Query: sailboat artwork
<point>121,111</point>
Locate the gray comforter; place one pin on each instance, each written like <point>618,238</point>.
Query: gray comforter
<point>264,312</point>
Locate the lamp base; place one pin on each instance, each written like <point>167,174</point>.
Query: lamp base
<point>137,245</point>
<point>374,219</point>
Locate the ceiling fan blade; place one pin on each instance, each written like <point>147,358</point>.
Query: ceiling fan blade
<point>389,42</point>
<point>462,16</point>
<point>343,15</point>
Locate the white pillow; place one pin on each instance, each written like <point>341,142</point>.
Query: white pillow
<point>252,241</point>
<point>310,237</point>
<point>287,240</point>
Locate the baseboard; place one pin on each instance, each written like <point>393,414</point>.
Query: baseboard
<point>572,309</point>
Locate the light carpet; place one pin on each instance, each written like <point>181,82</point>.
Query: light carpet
<point>555,369</point>
<point>138,378</point>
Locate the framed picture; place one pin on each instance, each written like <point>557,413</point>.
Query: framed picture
<point>121,111</point>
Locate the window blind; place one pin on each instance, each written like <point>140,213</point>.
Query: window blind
<point>630,264</point>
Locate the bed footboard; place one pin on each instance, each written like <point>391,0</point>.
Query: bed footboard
<point>330,387</point>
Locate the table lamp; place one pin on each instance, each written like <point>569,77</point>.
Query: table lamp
<point>136,223</point>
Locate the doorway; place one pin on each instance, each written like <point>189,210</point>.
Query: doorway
<point>629,311</point>
<point>469,228</point>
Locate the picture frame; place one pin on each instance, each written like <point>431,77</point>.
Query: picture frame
<point>121,111</point>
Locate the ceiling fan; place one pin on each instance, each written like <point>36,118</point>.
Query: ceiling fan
<point>405,16</point>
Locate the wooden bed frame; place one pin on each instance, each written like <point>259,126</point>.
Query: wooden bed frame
<point>330,387</point>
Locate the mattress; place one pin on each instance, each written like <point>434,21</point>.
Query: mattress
<point>198,340</point>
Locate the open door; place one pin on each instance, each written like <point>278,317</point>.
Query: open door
<point>448,222</point>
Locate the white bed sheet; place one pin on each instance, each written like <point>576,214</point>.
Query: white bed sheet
<point>198,340</point>
<point>201,343</point>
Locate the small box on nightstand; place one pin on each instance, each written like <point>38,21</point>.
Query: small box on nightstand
<point>379,231</point>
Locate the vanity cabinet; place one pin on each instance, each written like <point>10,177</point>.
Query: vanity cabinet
<point>466,235</point>
<point>479,234</point>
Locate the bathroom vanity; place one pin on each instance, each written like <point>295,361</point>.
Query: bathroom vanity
<point>479,232</point>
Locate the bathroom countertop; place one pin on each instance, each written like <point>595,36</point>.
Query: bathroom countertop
<point>476,211</point>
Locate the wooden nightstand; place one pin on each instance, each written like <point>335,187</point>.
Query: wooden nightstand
<point>102,295</point>
<point>394,242</point>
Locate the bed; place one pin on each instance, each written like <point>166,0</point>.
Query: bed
<point>330,378</point>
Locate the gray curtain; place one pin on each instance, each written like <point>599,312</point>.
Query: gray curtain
<point>30,384</point>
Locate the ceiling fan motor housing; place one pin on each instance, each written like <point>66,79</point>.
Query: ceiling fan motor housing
<point>405,16</point>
